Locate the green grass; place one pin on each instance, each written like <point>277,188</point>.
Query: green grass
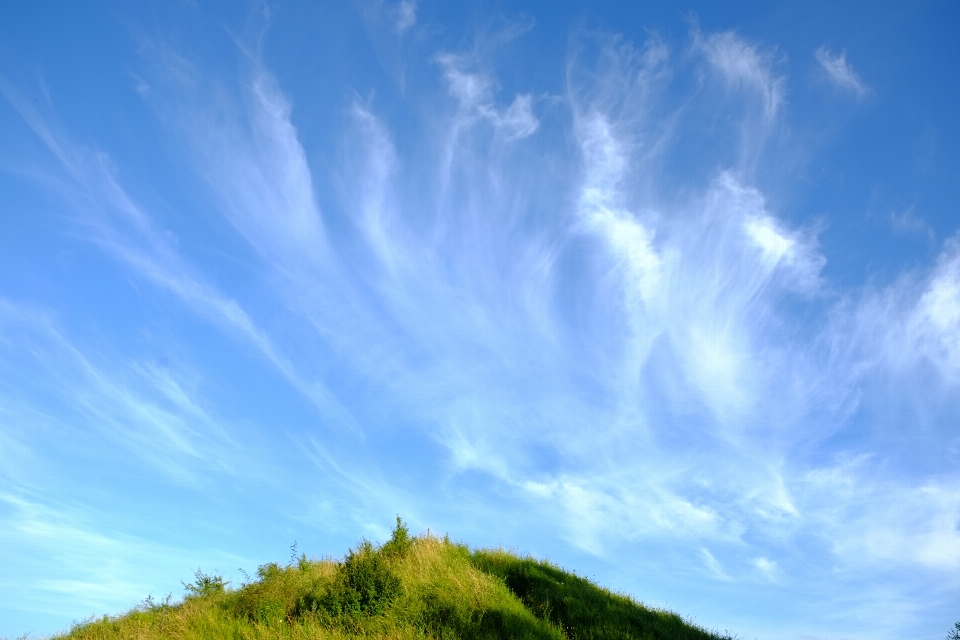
<point>423,587</point>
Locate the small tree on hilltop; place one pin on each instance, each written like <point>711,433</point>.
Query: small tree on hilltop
<point>955,633</point>
<point>400,542</point>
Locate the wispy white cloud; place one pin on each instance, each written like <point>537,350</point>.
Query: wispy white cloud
<point>97,570</point>
<point>705,282</point>
<point>912,324</point>
<point>405,14</point>
<point>291,238</point>
<point>743,64</point>
<point>768,568</point>
<point>246,148</point>
<point>709,279</point>
<point>869,519</point>
<point>713,564</point>
<point>907,222</point>
<point>840,72</point>
<point>89,559</point>
<point>262,179</point>
<point>372,203</point>
<point>474,91</point>
<point>149,412</point>
<point>935,323</point>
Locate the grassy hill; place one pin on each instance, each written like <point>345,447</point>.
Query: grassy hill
<point>423,587</point>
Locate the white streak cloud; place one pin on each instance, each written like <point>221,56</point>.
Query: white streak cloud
<point>840,72</point>
<point>743,64</point>
<point>474,91</point>
<point>405,14</point>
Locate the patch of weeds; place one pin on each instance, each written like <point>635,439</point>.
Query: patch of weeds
<point>149,604</point>
<point>265,600</point>
<point>302,563</point>
<point>269,571</point>
<point>269,612</point>
<point>205,585</point>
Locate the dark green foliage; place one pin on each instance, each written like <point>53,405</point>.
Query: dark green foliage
<point>954,633</point>
<point>580,608</point>
<point>448,618</point>
<point>400,542</point>
<point>364,585</point>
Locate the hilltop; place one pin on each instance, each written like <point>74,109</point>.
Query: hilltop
<point>410,587</point>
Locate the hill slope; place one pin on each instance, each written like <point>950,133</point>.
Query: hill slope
<point>422,587</point>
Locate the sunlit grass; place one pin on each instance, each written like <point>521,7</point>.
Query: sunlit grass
<point>424,587</point>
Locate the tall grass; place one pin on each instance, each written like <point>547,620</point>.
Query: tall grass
<point>422,587</point>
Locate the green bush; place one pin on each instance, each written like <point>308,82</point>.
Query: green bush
<point>204,586</point>
<point>364,584</point>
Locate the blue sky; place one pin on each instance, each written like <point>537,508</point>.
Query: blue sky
<point>666,293</point>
